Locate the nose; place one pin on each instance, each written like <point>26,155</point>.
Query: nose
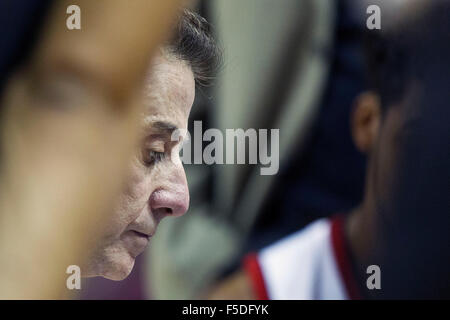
<point>173,202</point>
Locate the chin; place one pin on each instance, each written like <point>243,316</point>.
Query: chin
<point>118,268</point>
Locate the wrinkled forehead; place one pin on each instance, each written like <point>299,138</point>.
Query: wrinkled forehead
<point>169,91</point>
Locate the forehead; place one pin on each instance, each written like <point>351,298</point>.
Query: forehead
<point>169,91</point>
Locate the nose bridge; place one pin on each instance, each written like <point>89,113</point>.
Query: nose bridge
<point>172,196</point>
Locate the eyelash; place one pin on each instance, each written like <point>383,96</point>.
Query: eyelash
<point>155,157</point>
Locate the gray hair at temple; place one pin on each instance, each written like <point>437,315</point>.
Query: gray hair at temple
<point>193,42</point>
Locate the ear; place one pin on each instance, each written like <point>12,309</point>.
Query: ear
<point>365,120</point>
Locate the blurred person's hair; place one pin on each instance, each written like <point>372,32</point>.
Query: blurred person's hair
<point>21,24</point>
<point>397,56</point>
<point>194,43</point>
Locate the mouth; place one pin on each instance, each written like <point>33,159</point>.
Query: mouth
<point>142,235</point>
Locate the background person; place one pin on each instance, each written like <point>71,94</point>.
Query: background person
<point>401,224</point>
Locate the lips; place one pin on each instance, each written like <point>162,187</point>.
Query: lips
<point>141,234</point>
<point>142,229</point>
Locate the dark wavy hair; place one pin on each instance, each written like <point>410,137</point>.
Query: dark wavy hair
<point>194,43</point>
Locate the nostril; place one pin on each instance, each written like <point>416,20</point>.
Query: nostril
<point>162,212</point>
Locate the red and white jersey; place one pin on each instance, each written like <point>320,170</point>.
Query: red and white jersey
<point>313,263</point>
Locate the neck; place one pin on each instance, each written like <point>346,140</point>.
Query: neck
<point>361,231</point>
<point>360,228</point>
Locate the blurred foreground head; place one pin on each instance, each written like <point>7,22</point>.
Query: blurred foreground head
<point>70,123</point>
<point>409,66</point>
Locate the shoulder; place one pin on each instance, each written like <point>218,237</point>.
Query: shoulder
<point>291,267</point>
<point>299,243</point>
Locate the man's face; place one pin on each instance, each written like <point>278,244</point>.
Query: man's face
<point>396,133</point>
<point>384,136</point>
<point>157,185</point>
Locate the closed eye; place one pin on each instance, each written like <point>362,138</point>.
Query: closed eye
<point>153,157</point>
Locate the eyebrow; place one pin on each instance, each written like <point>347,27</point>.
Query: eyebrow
<point>161,128</point>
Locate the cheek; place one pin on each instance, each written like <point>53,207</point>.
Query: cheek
<point>135,197</point>
<point>392,141</point>
<point>389,155</point>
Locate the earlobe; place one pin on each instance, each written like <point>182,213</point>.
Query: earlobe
<point>365,120</point>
